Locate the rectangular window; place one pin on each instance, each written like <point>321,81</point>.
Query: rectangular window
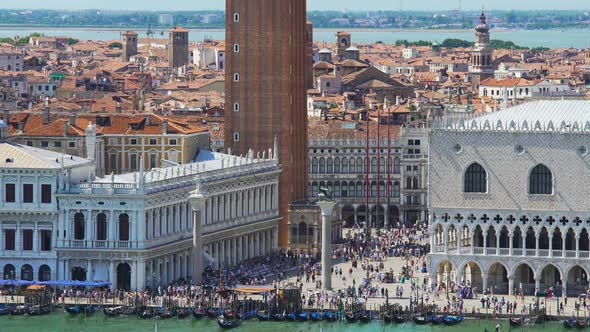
<point>44,144</point>
<point>112,141</point>
<point>236,107</point>
<point>27,239</point>
<point>172,141</point>
<point>9,239</point>
<point>408,168</point>
<point>153,141</point>
<point>236,137</point>
<point>417,142</point>
<point>236,17</point>
<point>10,195</point>
<point>133,162</point>
<point>236,77</point>
<point>113,162</point>
<point>29,143</point>
<point>46,193</point>
<point>153,161</point>
<point>411,142</point>
<point>72,144</point>
<point>57,144</point>
<point>236,48</point>
<point>27,193</point>
<point>133,141</point>
<point>45,240</point>
<point>417,151</point>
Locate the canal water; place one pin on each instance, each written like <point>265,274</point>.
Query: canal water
<point>62,322</point>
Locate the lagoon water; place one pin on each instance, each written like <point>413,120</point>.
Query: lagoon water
<point>62,322</point>
<point>529,38</point>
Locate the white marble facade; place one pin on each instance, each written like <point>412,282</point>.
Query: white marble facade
<point>510,199</point>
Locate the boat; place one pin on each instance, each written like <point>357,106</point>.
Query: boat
<point>4,309</point>
<point>248,314</point>
<point>18,310</point>
<point>38,310</point>
<point>214,312</point>
<point>165,313</point>
<point>316,316</point>
<point>387,318</point>
<point>453,320</point>
<point>516,321</point>
<point>199,313</point>
<point>262,316</point>
<point>183,313</point>
<point>279,317</point>
<point>365,317</point>
<point>570,323</point>
<point>292,316</point>
<point>580,323</point>
<point>399,319</point>
<point>330,316</point>
<point>303,316</point>
<point>350,317</point>
<point>420,320</point>
<point>128,311</point>
<point>146,314</point>
<point>437,319</point>
<point>112,312</point>
<point>228,324</point>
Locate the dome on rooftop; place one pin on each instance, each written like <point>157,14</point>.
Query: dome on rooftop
<point>482,26</point>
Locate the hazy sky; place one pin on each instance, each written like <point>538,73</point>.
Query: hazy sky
<point>173,5</point>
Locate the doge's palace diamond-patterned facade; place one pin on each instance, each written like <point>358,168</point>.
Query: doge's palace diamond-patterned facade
<point>528,228</point>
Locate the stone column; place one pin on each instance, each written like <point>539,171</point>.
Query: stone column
<point>485,241</point>
<point>36,238</point>
<point>459,239</point>
<point>551,245</point>
<point>327,206</point>
<point>89,275</point>
<point>112,275</point>
<point>577,237</point>
<point>510,285</point>
<point>446,240</point>
<point>134,274</point>
<point>510,244</point>
<point>484,277</point>
<point>538,283</point>
<point>197,201</point>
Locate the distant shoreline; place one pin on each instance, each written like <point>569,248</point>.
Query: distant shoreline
<point>217,29</point>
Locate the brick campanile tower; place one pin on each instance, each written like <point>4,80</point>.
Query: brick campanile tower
<point>266,89</point>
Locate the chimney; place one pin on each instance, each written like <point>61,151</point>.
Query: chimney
<point>66,128</point>
<point>148,120</point>
<point>398,100</point>
<point>21,126</point>
<point>6,116</point>
<point>73,119</point>
<point>118,108</point>
<point>165,127</point>
<point>46,115</point>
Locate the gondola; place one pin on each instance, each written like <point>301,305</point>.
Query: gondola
<point>453,320</point>
<point>112,312</point>
<point>399,319</point>
<point>183,313</point>
<point>516,321</point>
<point>38,310</point>
<point>291,316</point>
<point>4,309</point>
<point>387,318</point>
<point>228,324</point>
<point>146,314</point>
<point>420,320</point>
<point>316,316</point>
<point>580,323</point>
<point>330,316</point>
<point>249,314</point>
<point>570,323</point>
<point>166,314</point>
<point>214,312</point>
<point>303,316</point>
<point>262,316</point>
<point>279,317</point>
<point>199,313</point>
<point>437,319</point>
<point>365,317</point>
<point>18,310</point>
<point>128,311</point>
<point>351,317</point>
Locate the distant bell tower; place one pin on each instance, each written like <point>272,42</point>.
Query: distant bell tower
<point>177,48</point>
<point>343,41</point>
<point>481,67</point>
<point>129,45</point>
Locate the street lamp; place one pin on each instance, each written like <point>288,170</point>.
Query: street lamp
<point>197,200</point>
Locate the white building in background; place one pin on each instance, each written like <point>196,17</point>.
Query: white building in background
<point>510,199</point>
<point>29,179</point>
<point>11,59</point>
<point>136,229</point>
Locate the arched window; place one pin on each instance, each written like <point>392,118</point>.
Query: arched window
<point>408,183</point>
<point>314,165</point>
<point>360,165</point>
<point>322,165</point>
<point>373,165</point>
<point>416,183</point>
<point>396,165</point>
<point>44,273</point>
<point>79,226</point>
<point>374,189</point>
<point>26,272</point>
<point>101,227</point>
<point>336,165</point>
<point>337,189</point>
<point>360,189</point>
<point>124,227</point>
<point>382,188</point>
<point>382,165</point>
<point>345,165</point>
<point>541,181</point>
<point>351,190</point>
<point>396,189</point>
<point>476,179</point>
<point>314,189</point>
<point>352,166</point>
<point>329,166</point>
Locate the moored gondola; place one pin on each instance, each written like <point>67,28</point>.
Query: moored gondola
<point>330,316</point>
<point>291,316</point>
<point>420,320</point>
<point>516,321</point>
<point>248,314</point>
<point>214,312</point>
<point>4,309</point>
<point>18,310</point>
<point>199,313</point>
<point>453,320</point>
<point>228,324</point>
<point>112,312</point>
<point>365,317</point>
<point>303,316</point>
<point>279,317</point>
<point>351,317</point>
<point>183,313</point>
<point>570,323</point>
<point>388,318</point>
<point>316,316</point>
<point>399,319</point>
<point>38,310</point>
<point>262,316</point>
<point>146,314</point>
<point>437,319</point>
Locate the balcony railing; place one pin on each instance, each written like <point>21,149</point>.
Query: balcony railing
<point>544,252</point>
<point>490,251</point>
<point>504,251</point>
<point>439,248</point>
<point>531,252</point>
<point>478,251</point>
<point>517,252</point>
<point>557,253</point>
<point>584,254</point>
<point>570,253</point>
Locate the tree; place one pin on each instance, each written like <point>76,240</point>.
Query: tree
<point>72,41</point>
<point>115,45</point>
